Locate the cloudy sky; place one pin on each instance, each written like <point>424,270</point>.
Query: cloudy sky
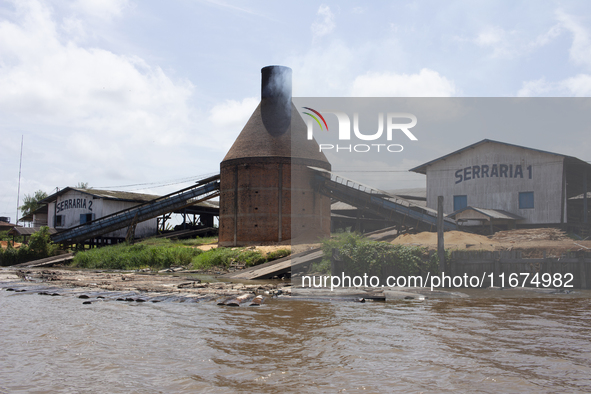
<point>149,95</point>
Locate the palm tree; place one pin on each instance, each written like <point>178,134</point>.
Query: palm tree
<point>31,203</point>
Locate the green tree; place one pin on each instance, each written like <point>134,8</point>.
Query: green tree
<point>31,203</point>
<point>82,185</point>
<point>40,243</point>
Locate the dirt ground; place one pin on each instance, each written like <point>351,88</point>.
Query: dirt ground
<point>265,249</point>
<point>181,283</point>
<point>531,242</point>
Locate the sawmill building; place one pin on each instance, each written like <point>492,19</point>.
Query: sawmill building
<point>496,183</point>
<point>71,207</point>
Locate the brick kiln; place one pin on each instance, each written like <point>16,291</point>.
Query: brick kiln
<point>266,189</point>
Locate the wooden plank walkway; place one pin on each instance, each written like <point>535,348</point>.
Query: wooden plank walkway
<point>47,261</point>
<point>283,265</point>
<point>276,267</point>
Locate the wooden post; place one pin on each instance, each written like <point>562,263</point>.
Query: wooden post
<point>583,273</point>
<point>497,268</point>
<point>585,219</point>
<point>440,245</point>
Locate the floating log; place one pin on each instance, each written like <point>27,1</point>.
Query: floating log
<point>239,300</point>
<point>257,301</point>
<point>222,301</point>
<point>392,295</point>
<point>188,284</point>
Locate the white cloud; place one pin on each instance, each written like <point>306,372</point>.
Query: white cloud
<point>579,54</point>
<point>535,88</point>
<point>547,37</point>
<point>503,44</point>
<point>326,70</point>
<point>233,113</point>
<point>56,81</point>
<point>513,43</point>
<point>228,119</point>
<point>580,51</point>
<point>325,24</point>
<point>490,36</point>
<point>427,83</point>
<point>88,113</point>
<point>103,9</point>
<point>577,86</point>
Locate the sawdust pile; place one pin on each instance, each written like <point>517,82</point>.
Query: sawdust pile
<point>452,240</point>
<point>4,244</point>
<point>532,243</point>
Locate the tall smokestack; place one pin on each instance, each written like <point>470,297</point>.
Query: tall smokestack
<point>276,99</point>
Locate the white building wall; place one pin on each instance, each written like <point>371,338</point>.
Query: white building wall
<point>39,219</point>
<point>142,230</point>
<point>524,170</point>
<point>73,204</point>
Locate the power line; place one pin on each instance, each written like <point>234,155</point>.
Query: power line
<point>161,183</point>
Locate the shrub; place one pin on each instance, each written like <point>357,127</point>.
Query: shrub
<point>124,256</point>
<point>39,247</point>
<point>223,257</point>
<point>40,243</point>
<point>359,256</point>
<point>278,254</point>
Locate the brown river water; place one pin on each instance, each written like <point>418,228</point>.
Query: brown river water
<point>492,342</point>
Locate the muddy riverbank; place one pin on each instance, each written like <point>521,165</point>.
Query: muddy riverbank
<point>143,286</point>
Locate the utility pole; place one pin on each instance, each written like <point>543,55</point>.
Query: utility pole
<point>440,245</point>
<point>19,180</point>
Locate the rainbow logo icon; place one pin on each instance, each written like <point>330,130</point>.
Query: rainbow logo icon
<point>315,118</point>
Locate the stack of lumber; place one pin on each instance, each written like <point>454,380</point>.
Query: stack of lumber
<point>532,234</point>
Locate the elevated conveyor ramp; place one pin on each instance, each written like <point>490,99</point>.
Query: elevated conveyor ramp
<point>389,206</point>
<point>203,190</point>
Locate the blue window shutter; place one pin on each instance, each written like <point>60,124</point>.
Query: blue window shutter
<point>526,200</point>
<point>460,202</point>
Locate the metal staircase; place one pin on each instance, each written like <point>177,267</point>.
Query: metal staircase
<point>390,207</point>
<point>205,189</point>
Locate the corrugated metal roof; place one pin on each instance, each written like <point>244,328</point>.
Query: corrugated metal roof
<point>341,206</point>
<point>209,204</point>
<point>491,213</point>
<point>119,196</point>
<point>28,230</point>
<point>422,169</point>
<point>580,196</point>
<point>409,194</point>
<point>106,194</point>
